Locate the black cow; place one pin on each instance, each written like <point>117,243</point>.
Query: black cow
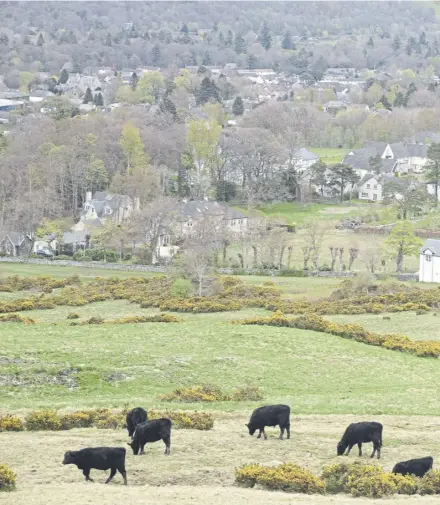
<point>417,467</point>
<point>270,415</point>
<point>100,458</point>
<point>151,431</point>
<point>359,433</point>
<point>135,417</point>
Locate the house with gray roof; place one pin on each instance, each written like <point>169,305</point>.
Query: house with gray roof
<point>15,244</point>
<point>429,261</point>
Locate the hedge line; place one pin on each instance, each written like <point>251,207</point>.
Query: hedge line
<point>355,479</point>
<point>210,393</point>
<point>50,420</point>
<point>422,348</point>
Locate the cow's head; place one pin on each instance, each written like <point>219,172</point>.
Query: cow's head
<point>134,446</point>
<point>69,458</point>
<point>251,429</point>
<point>341,447</point>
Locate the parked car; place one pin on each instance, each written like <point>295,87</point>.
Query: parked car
<point>45,253</point>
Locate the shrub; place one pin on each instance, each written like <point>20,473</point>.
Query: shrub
<point>112,421</point>
<point>79,419</point>
<point>276,319</point>
<point>11,423</point>
<point>185,420</point>
<point>16,318</point>
<point>157,318</point>
<point>406,484</point>
<point>73,315</point>
<point>430,483</point>
<point>288,477</point>
<point>371,482</point>
<point>204,393</point>
<point>62,257</point>
<point>249,392</point>
<point>43,420</point>
<point>7,478</point>
<point>95,320</point>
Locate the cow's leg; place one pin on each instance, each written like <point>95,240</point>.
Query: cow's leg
<point>349,449</point>
<point>374,450</point>
<point>112,474</point>
<point>259,434</point>
<point>281,433</point>
<point>360,448</point>
<point>142,450</point>
<point>288,431</point>
<point>124,474</point>
<point>167,443</point>
<point>86,473</point>
<point>264,434</point>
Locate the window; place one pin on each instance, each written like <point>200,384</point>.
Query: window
<point>165,240</point>
<point>428,258</point>
<point>375,187</point>
<point>364,195</point>
<point>368,186</point>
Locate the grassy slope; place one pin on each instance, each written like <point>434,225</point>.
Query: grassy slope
<point>329,155</point>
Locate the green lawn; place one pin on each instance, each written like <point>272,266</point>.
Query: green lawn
<point>329,155</point>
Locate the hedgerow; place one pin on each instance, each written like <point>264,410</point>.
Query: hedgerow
<point>185,420</point>
<point>15,318</point>
<point>422,348</point>
<point>11,423</point>
<point>39,420</point>
<point>288,477</point>
<point>210,393</point>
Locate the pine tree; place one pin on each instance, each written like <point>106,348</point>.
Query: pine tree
<point>64,77</point>
<point>40,40</point>
<point>134,79</point>
<point>412,88</point>
<point>252,61</point>
<point>265,38</point>
<point>399,100</point>
<point>396,45</point>
<point>99,100</point>
<point>88,97</point>
<point>287,42</point>
<point>370,42</point>
<point>385,102</point>
<point>184,28</point>
<point>4,39</point>
<point>108,40</point>
<point>207,59</point>
<point>156,55</point>
<point>240,45</point>
<point>422,39</point>
<point>229,38</point>
<point>221,39</point>
<point>208,92</point>
<point>167,106</point>
<point>238,106</point>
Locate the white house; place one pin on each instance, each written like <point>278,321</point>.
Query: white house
<point>370,188</point>
<point>429,269</point>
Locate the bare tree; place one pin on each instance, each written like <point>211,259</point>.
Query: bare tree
<point>333,253</point>
<point>315,233</point>
<point>341,259</point>
<point>371,258</point>
<point>353,253</point>
<point>198,264</point>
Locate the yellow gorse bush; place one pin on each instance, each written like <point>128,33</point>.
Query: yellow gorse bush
<point>11,423</point>
<point>7,478</point>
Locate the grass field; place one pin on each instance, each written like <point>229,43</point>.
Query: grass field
<point>330,155</point>
<point>328,382</point>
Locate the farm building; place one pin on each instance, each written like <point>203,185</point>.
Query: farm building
<point>429,270</point>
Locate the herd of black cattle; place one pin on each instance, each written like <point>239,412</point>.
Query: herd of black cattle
<point>143,431</point>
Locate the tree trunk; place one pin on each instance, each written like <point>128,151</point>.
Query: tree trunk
<point>333,253</point>
<point>240,257</point>
<point>255,251</point>
<point>280,264</point>
<point>200,279</point>
<point>399,260</point>
<point>436,193</point>
<point>289,257</point>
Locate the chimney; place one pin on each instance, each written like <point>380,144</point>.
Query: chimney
<point>88,196</point>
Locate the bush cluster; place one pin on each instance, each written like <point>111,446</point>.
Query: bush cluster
<point>210,393</point>
<point>199,304</point>
<point>288,477</point>
<point>79,419</point>
<point>11,423</point>
<point>157,318</point>
<point>422,348</point>
<point>44,283</point>
<point>15,318</point>
<point>43,420</point>
<point>185,420</point>
<point>7,478</point>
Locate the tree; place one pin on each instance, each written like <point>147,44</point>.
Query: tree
<point>207,60</point>
<point>370,42</point>
<point>64,77</point>
<point>318,176</point>
<point>342,176</point>
<point>314,233</point>
<point>198,263</point>
<point>156,55</point>
<point>207,92</point>
<point>238,106</point>
<point>40,40</point>
<point>287,41</point>
<point>184,28</point>
<point>88,97</point>
<point>265,38</point>
<point>151,86</point>
<point>240,45</point>
<point>396,43</point>
<point>134,79</point>
<point>133,148</point>
<point>4,39</point>
<point>409,198</point>
<point>98,100</point>
<point>102,237</point>
<point>402,242</point>
<point>167,106</point>
<point>375,164</point>
<point>432,170</point>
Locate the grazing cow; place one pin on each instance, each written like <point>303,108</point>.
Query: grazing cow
<point>151,431</point>
<point>270,415</point>
<point>417,467</point>
<point>135,417</point>
<point>359,433</point>
<point>100,458</point>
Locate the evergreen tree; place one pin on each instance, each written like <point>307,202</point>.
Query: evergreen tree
<point>229,38</point>
<point>422,39</point>
<point>240,45</point>
<point>185,166</point>
<point>208,92</point>
<point>411,89</point>
<point>88,97</point>
<point>207,59</point>
<point>156,55</point>
<point>98,100</point>
<point>287,42</point>
<point>431,87</point>
<point>4,39</point>
<point>215,26</point>
<point>385,102</point>
<point>238,106</point>
<point>396,45</point>
<point>252,61</point>
<point>134,79</point>
<point>432,171</point>
<point>399,100</point>
<point>375,164</point>
<point>167,106</point>
<point>184,28</point>
<point>411,46</point>
<point>221,39</point>
<point>265,38</point>
<point>40,40</point>
<point>64,77</point>
<point>370,42</point>
<point>108,40</point>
